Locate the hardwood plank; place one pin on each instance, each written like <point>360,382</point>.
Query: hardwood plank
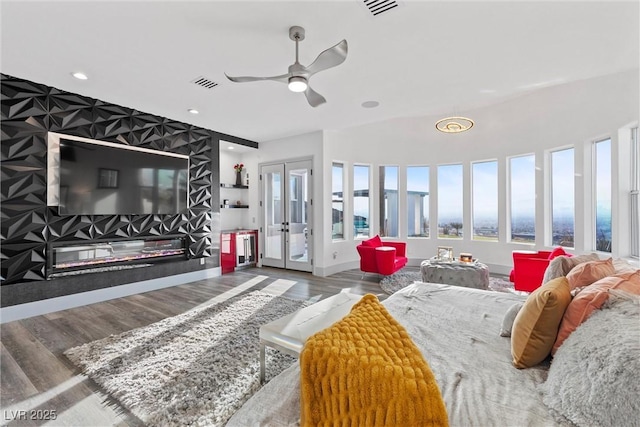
<point>14,384</point>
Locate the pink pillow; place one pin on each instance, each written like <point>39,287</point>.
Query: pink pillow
<point>590,272</point>
<point>374,242</point>
<point>591,299</point>
<point>556,252</point>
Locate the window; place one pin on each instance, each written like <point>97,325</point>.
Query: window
<point>602,185</point>
<point>485,200</point>
<point>418,201</point>
<point>523,198</point>
<point>635,189</point>
<point>337,202</point>
<point>450,201</point>
<point>562,198</point>
<point>361,201</point>
<point>389,201</point>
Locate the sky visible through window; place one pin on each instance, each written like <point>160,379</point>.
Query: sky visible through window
<point>361,203</point>
<point>485,200</point>
<point>418,201</point>
<point>523,198</point>
<point>450,200</point>
<point>603,195</point>
<point>562,198</point>
<point>337,202</point>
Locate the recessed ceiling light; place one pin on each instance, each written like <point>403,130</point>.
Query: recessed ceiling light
<point>193,111</point>
<point>370,104</point>
<point>230,148</point>
<point>80,76</point>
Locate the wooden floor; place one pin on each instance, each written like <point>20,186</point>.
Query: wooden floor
<point>38,382</point>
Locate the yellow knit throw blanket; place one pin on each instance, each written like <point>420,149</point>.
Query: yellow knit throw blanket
<point>366,371</point>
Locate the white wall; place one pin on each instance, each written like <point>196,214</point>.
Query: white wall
<point>574,114</point>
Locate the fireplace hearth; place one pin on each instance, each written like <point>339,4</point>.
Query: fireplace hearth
<point>80,257</point>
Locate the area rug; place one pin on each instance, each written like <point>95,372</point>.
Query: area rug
<point>196,368</point>
<point>401,279</point>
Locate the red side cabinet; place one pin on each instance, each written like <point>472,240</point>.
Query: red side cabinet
<point>238,248</point>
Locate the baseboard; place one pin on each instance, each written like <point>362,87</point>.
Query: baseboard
<point>38,308</point>
<point>335,268</point>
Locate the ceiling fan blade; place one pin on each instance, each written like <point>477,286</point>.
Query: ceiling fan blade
<point>283,78</point>
<point>331,57</point>
<point>314,97</point>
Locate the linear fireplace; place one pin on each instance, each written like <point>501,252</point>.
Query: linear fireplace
<point>75,258</point>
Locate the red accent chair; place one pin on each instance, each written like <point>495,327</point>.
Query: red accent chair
<point>381,257</point>
<point>529,267</point>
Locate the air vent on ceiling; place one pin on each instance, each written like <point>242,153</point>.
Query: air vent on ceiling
<point>204,82</point>
<point>376,7</point>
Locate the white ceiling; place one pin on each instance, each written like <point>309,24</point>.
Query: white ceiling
<point>422,58</point>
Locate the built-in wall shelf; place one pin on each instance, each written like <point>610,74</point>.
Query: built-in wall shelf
<point>233,186</point>
<point>234,206</point>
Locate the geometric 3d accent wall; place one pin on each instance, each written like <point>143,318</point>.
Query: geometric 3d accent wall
<point>29,111</point>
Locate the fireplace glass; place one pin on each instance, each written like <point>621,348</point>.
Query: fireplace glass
<point>79,256</point>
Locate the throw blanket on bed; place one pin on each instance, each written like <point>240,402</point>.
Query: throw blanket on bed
<point>365,370</point>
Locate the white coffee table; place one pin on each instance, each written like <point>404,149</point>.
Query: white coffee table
<point>288,334</point>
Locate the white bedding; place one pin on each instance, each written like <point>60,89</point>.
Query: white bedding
<point>457,329</point>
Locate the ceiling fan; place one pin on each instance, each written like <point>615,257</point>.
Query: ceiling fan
<point>298,76</point>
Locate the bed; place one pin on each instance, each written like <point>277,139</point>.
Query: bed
<point>458,331</point>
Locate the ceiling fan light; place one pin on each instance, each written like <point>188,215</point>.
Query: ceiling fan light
<point>297,84</point>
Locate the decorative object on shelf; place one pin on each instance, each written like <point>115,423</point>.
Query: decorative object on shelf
<point>238,168</point>
<point>445,253</point>
<point>454,124</point>
<point>466,257</point>
<point>226,202</point>
<point>238,203</point>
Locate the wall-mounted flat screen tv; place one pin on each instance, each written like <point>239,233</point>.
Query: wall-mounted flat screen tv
<point>105,179</point>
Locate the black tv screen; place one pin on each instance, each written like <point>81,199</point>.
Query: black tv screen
<point>98,179</point>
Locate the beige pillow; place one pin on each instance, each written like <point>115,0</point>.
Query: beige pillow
<point>590,272</point>
<point>536,325</point>
<point>562,265</point>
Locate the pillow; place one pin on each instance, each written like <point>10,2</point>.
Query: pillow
<point>556,253</point>
<point>589,272</point>
<point>374,242</point>
<point>509,317</point>
<point>591,299</point>
<point>536,325</point>
<point>366,370</point>
<point>593,378</point>
<point>562,265</point>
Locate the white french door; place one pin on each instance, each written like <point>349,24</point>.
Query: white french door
<point>286,211</point>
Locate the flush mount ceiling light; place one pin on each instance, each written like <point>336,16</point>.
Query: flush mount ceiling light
<point>80,76</point>
<point>454,124</point>
<point>370,104</point>
<point>193,111</point>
